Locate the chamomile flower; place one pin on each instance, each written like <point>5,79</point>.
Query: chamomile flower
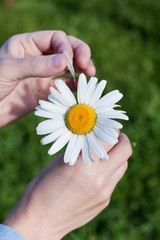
<point>80,122</point>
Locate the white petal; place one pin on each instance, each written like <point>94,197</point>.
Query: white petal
<point>50,107</point>
<point>65,91</point>
<point>105,108</point>
<point>90,153</point>
<point>43,113</point>
<point>90,89</point>
<point>49,126</point>
<point>97,93</point>
<point>85,151</point>
<point>109,99</point>
<point>60,143</point>
<point>53,136</point>
<point>96,146</point>
<point>76,150</point>
<point>38,107</point>
<point>55,101</point>
<point>105,136</point>
<point>116,105</point>
<point>107,129</point>
<point>109,122</point>
<point>50,123</point>
<point>82,88</point>
<point>70,147</point>
<point>59,97</point>
<point>114,114</point>
<point>69,65</point>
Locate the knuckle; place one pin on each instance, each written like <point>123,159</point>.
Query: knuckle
<point>83,47</point>
<point>34,63</point>
<point>93,181</point>
<point>104,197</point>
<point>11,43</point>
<point>87,48</point>
<point>13,46</point>
<point>60,32</point>
<point>99,182</point>
<point>61,63</point>
<point>107,202</point>
<point>127,148</point>
<point>12,39</point>
<point>123,170</point>
<point>125,166</point>
<point>81,43</point>
<point>70,37</point>
<point>61,42</point>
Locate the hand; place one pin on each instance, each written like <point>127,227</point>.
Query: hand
<point>29,61</point>
<point>62,198</point>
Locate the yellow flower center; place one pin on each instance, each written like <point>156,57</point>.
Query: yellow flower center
<point>80,119</point>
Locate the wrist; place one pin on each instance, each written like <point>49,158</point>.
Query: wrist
<point>30,223</point>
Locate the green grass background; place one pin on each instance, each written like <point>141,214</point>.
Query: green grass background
<point>124,37</point>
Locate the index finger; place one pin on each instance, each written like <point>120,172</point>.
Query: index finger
<point>82,56</point>
<point>36,43</point>
<point>119,154</point>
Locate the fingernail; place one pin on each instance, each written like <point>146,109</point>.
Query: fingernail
<point>123,137</point>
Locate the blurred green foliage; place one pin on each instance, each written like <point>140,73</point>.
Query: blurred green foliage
<point>124,38</point>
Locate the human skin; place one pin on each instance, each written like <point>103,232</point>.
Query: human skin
<point>62,198</point>
<point>29,61</point>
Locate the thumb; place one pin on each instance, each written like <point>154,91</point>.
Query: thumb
<point>36,66</point>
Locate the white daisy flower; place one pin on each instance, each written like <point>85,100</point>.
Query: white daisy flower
<point>81,122</point>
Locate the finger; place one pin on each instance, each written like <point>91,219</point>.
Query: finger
<point>109,185</point>
<point>82,55</point>
<point>60,43</point>
<point>82,52</point>
<point>36,43</point>
<point>37,66</point>
<point>28,44</point>
<point>56,42</point>
<point>89,71</point>
<point>119,154</point>
<point>116,177</point>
